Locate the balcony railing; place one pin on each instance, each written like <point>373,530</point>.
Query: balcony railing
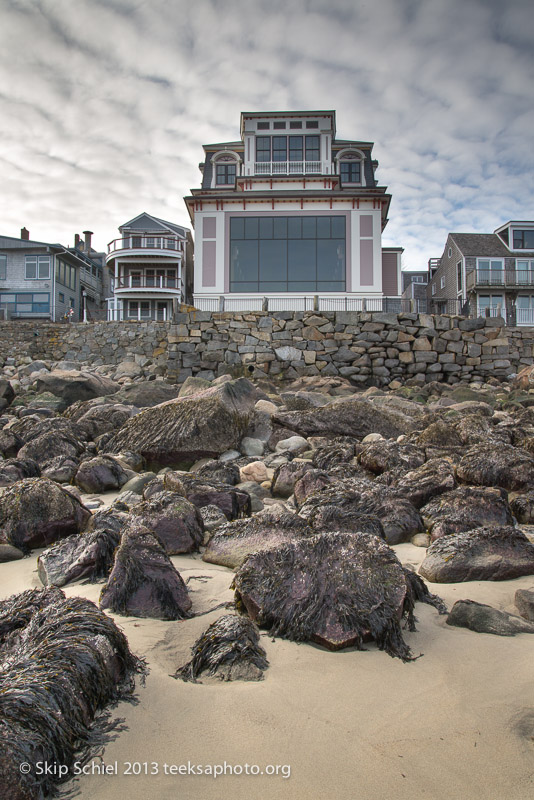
<point>171,243</point>
<point>148,282</point>
<point>88,279</point>
<point>287,167</point>
<point>500,277</point>
<point>302,303</point>
<point>524,316</point>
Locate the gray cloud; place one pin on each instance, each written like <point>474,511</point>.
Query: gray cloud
<point>105,104</point>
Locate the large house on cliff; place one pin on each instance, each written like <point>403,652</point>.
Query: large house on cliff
<point>290,218</point>
<point>489,273</point>
<point>151,263</point>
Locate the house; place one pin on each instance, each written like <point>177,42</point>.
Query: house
<point>151,264</point>
<point>414,285</point>
<point>95,284</point>
<point>39,280</point>
<point>290,218</point>
<point>488,273</point>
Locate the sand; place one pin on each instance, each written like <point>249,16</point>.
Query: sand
<point>456,724</point>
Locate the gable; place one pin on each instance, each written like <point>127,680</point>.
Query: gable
<point>144,222</point>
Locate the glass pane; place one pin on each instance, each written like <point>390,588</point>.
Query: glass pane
<point>266,227</point>
<point>236,286</point>
<point>24,298</point>
<point>263,148</point>
<point>523,302</point>
<point>244,261</point>
<point>272,286</point>
<point>279,148</point>
<point>273,260</point>
<point>330,286</point>
<point>294,228</point>
<point>323,227</point>
<point>309,227</point>
<point>280,227</point>
<point>338,227</point>
<point>24,307</point>
<point>295,148</point>
<point>40,298</point>
<point>301,286</point>
<point>251,228</point>
<point>312,148</point>
<point>237,228</point>
<point>331,259</point>
<point>301,260</point>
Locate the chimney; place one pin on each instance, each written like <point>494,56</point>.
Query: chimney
<point>24,234</point>
<point>87,235</point>
<point>76,240</point>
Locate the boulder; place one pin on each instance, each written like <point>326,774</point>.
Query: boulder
<point>174,520</point>
<point>61,469</point>
<point>482,554</point>
<point>35,512</point>
<point>7,395</point>
<point>342,451</point>
<point>501,465</point>
<point>232,501</point>
<point>14,469</point>
<point>88,555</point>
<point>485,619</point>
<point>181,431</point>
<point>9,553</point>
<point>73,385</point>
<point>146,394</point>
<point>50,445</point>
<point>523,508</point>
<point>100,416</point>
<point>310,482</point>
<point>379,456</point>
<point>223,472</point>
<point>346,417</point>
<point>286,475</point>
<point>100,474</point>
<point>232,543</point>
<point>10,443</point>
<point>228,650</point>
<point>332,518</point>
<point>335,589</point>
<point>465,508</point>
<point>144,581</point>
<point>524,602</point>
<point>429,480</point>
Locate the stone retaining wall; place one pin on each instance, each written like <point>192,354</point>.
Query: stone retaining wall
<point>366,347</point>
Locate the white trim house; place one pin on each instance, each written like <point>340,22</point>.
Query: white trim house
<point>291,218</point>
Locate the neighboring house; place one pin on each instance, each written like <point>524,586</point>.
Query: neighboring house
<point>289,218</point>
<point>95,284</point>
<point>419,277</point>
<point>151,264</point>
<point>39,280</point>
<point>488,273</point>
<point>414,285</point>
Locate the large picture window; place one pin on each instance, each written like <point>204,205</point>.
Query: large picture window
<point>524,240</point>
<point>287,254</point>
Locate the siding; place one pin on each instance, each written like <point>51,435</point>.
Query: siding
<point>389,275</point>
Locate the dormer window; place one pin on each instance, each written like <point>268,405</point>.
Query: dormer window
<point>225,169</point>
<point>350,167</point>
<point>524,239</point>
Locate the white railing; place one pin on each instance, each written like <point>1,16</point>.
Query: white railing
<point>287,167</point>
<point>492,311</point>
<point>144,282</point>
<point>525,316</point>
<point>288,302</point>
<point>171,243</point>
<point>89,279</point>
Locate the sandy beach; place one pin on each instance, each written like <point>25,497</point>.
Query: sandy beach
<point>456,724</point>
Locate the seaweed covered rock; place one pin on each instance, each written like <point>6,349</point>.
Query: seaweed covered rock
<point>332,518</point>
<point>340,451</point>
<point>231,544</point>
<point>50,445</point>
<point>146,394</point>
<point>482,618</point>
<point>201,491</point>
<point>524,601</point>
<point>429,480</point>
<point>335,589</point>
<point>88,555</point>
<point>310,482</point>
<point>346,417</point>
<point>7,394</point>
<point>10,443</point>
<point>501,465</point>
<point>174,520</point>
<point>465,508</point>
<point>100,416</point>
<point>523,508</point>
<point>15,469</point>
<point>219,471</point>
<point>229,650</point>
<point>384,455</point>
<point>399,517</point>
<point>35,512</point>
<point>64,661</point>
<point>101,474</point>
<point>181,431</point>
<point>144,581</point>
<point>482,554</point>
<point>286,475</point>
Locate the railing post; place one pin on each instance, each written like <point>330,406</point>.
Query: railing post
<point>364,304</point>
<point>316,302</point>
<point>221,303</point>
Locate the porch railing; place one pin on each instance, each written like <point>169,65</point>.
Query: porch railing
<point>500,277</point>
<point>287,167</point>
<point>171,243</point>
<point>148,282</point>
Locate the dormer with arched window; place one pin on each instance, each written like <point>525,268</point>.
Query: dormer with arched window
<point>226,168</point>
<point>350,167</point>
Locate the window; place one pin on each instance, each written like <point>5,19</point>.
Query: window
<point>350,171</point>
<point>226,174</point>
<point>19,304</point>
<point>525,310</point>
<point>287,254</point>
<point>442,282</point>
<point>433,288</point>
<point>418,279</point>
<point>262,126</point>
<point>312,148</point>
<point>312,124</point>
<point>263,148</point>
<point>490,271</point>
<point>524,272</point>
<point>72,302</point>
<point>37,267</point>
<point>3,268</point>
<point>524,239</point>
<point>279,148</point>
<point>137,241</point>
<point>296,151</point>
<point>279,126</point>
<point>490,305</point>
<point>459,275</point>
<point>295,125</point>
<point>61,297</point>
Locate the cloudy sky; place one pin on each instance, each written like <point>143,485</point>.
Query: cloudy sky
<point>105,104</point>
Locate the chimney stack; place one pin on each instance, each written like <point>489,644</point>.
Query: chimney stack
<point>76,240</point>
<point>24,234</point>
<point>87,235</point>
